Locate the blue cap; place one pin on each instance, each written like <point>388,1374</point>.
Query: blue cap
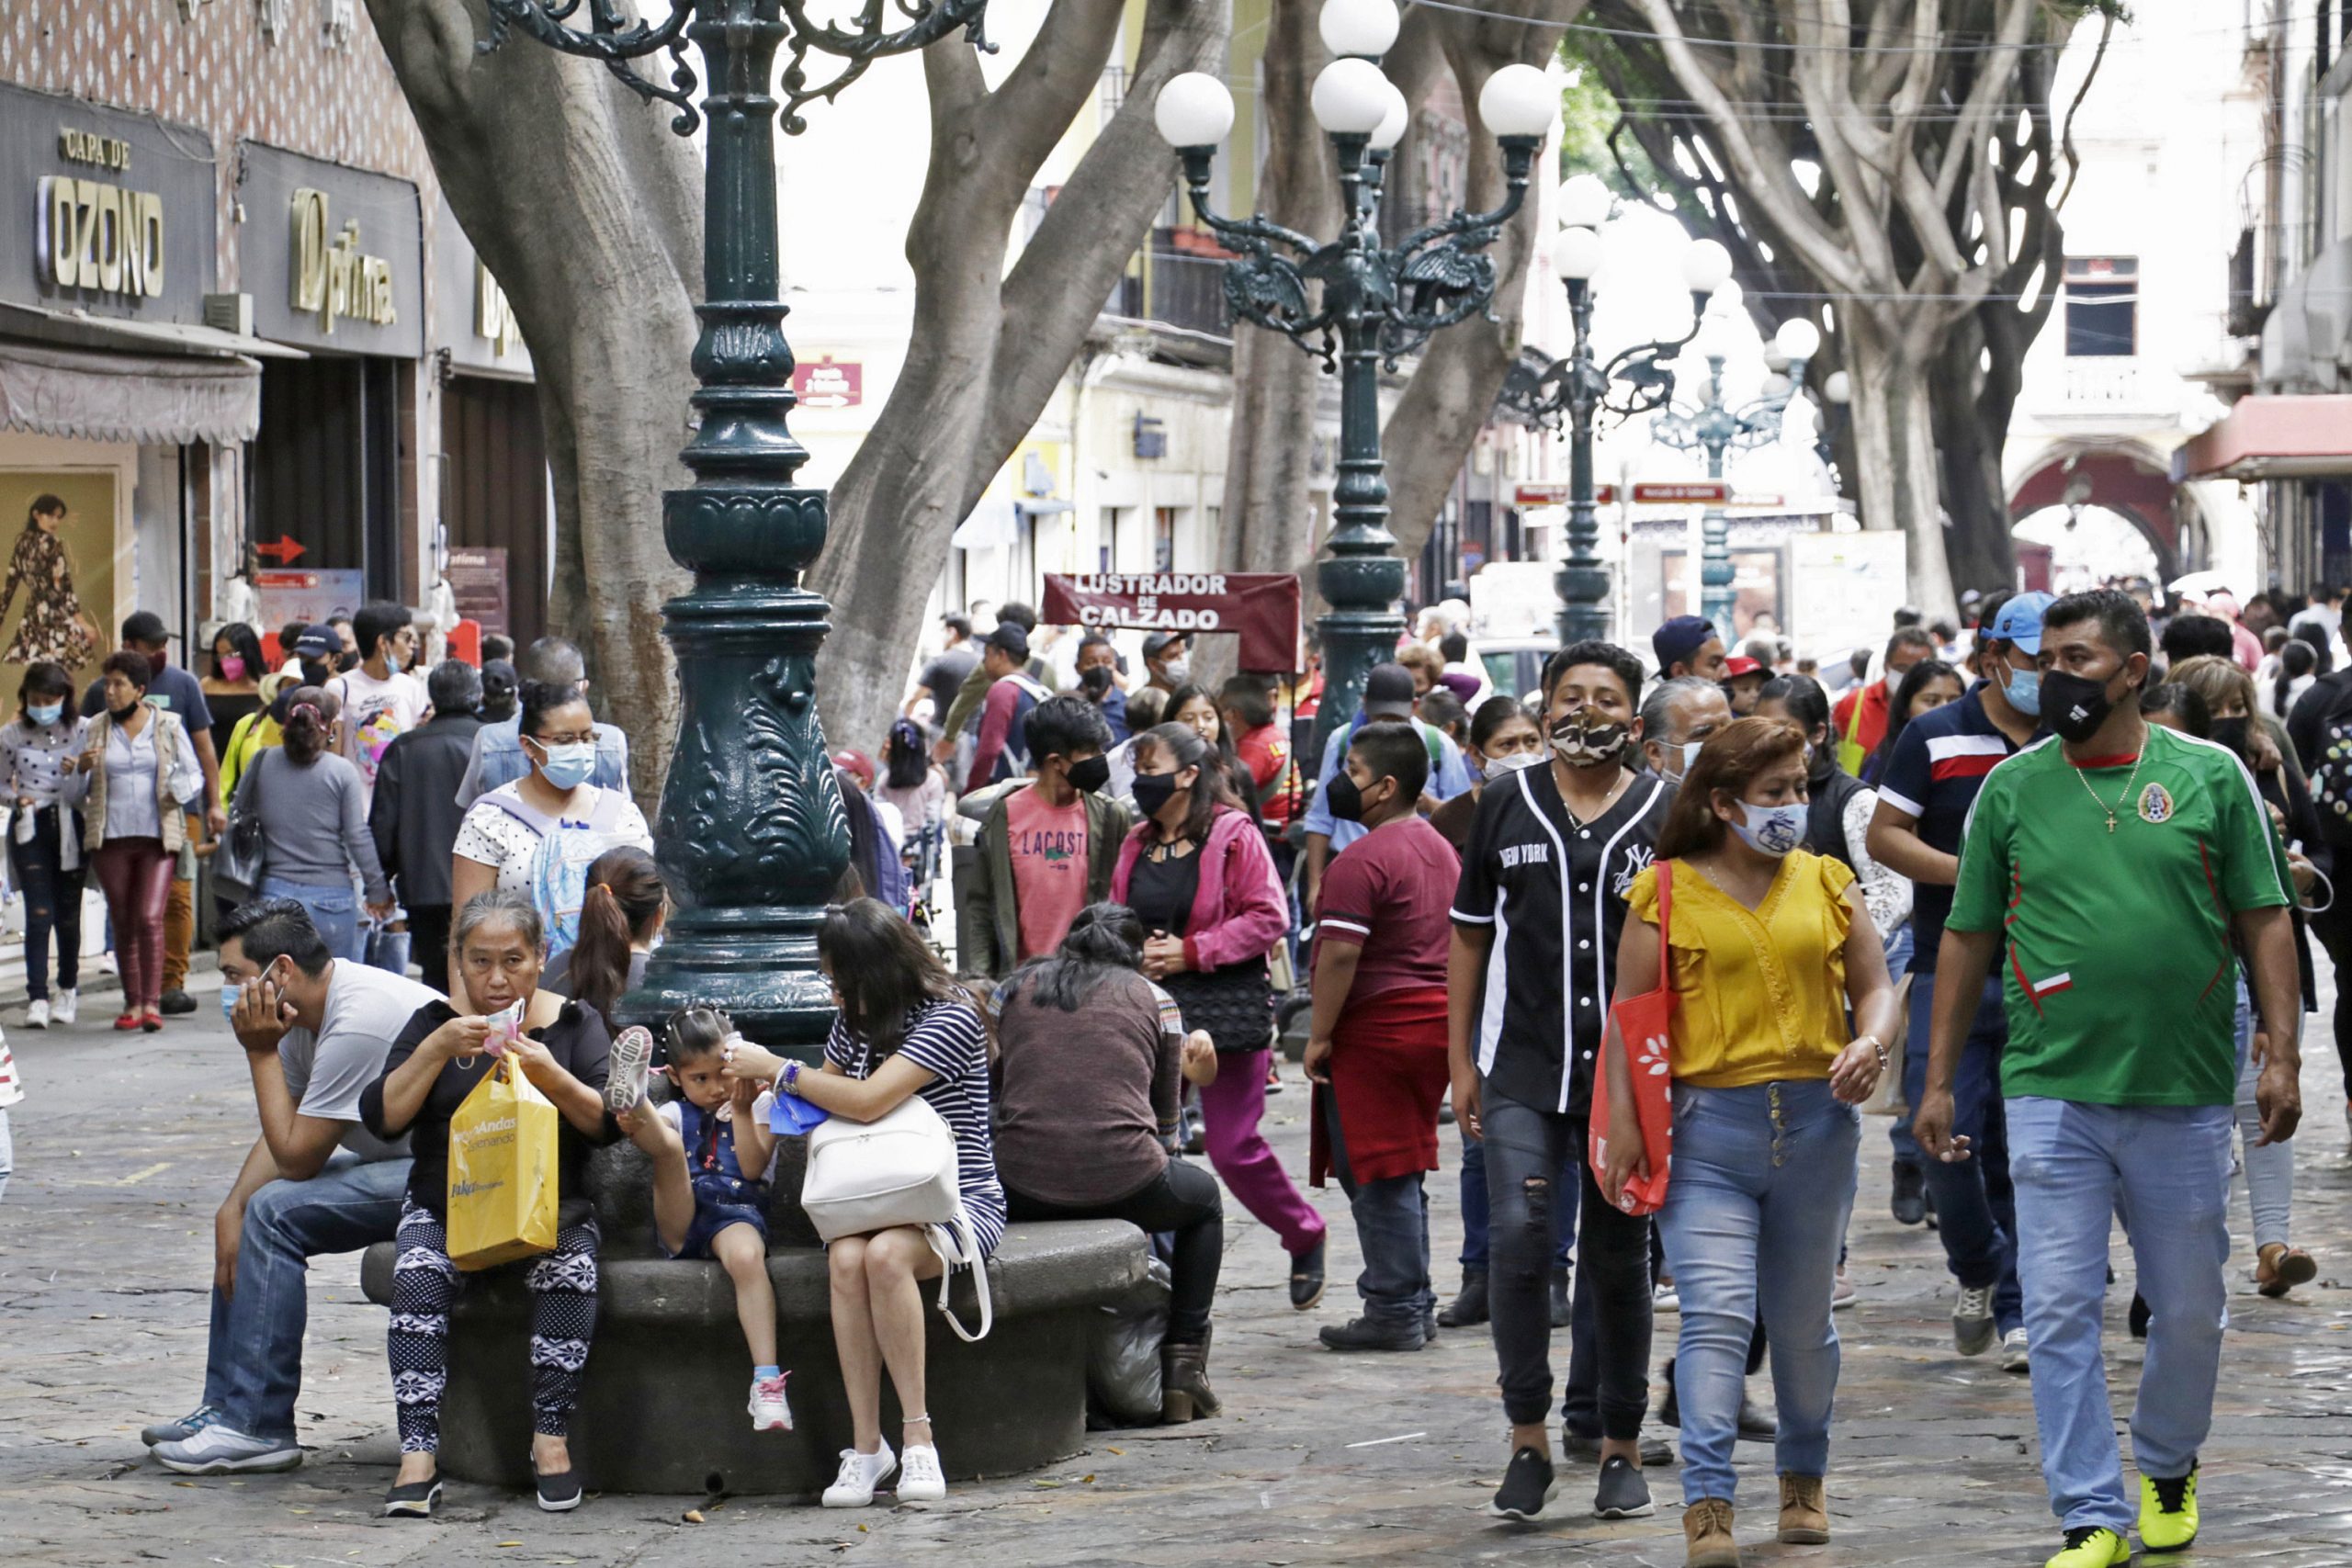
<point>1676,641</point>
<point>2019,621</point>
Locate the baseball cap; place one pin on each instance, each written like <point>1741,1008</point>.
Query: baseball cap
<point>2019,621</point>
<point>317,642</point>
<point>1739,664</point>
<point>1388,692</point>
<point>144,627</point>
<point>1156,643</point>
<point>1011,638</point>
<point>1676,641</point>
<point>857,762</point>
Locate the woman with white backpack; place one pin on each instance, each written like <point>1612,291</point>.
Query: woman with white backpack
<point>906,1029</point>
<point>539,834</point>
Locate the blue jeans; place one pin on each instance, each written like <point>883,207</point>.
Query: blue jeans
<point>1392,1219</point>
<point>2269,1169</point>
<point>253,1365</point>
<point>1898,964</point>
<point>334,910</point>
<point>1976,1203</point>
<point>1474,1205</point>
<point>2169,1167</point>
<point>1763,1181</point>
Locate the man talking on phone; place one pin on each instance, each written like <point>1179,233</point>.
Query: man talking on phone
<point>315,1031</point>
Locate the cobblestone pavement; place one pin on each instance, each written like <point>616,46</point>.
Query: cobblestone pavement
<point>127,1144</point>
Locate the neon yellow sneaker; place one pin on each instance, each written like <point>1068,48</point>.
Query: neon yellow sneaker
<point>2092,1546</point>
<point>2168,1512</point>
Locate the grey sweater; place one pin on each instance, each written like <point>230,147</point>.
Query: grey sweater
<point>313,821</point>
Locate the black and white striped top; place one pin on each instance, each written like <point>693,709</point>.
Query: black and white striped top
<point>947,1039</point>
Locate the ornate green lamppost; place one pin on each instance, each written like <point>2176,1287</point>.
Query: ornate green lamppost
<point>1580,386</point>
<point>1712,427</point>
<point>1375,303</point>
<point>750,833</point>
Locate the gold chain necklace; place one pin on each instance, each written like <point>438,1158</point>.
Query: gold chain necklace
<point>2128,783</point>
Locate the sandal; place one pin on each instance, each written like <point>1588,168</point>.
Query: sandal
<point>2280,1267</point>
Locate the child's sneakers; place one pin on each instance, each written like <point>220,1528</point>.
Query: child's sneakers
<point>920,1480</point>
<point>861,1474</point>
<point>770,1413</point>
<point>625,1082</point>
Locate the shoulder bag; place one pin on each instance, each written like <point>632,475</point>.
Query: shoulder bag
<point>238,863</point>
<point>1641,1027</point>
<point>899,1169</point>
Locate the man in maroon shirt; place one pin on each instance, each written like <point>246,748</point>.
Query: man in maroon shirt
<point>1376,1044</point>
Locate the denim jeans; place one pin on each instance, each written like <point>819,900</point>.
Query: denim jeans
<point>1898,964</point>
<point>2169,1166</point>
<point>333,911</point>
<point>1976,1203</point>
<point>1533,1157</point>
<point>1763,1179</point>
<point>2269,1168</point>
<point>252,1366</point>
<point>1473,1206</point>
<point>52,903</point>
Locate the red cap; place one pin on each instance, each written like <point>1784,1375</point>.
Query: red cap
<point>1739,664</point>
<point>857,762</point>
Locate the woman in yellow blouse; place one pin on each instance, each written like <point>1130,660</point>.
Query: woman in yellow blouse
<point>1770,945</point>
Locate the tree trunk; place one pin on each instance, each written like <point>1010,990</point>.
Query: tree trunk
<point>989,347</point>
<point>1971,419</point>
<point>614,215</point>
<point>1894,450</point>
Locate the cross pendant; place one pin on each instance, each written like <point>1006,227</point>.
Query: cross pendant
<point>2110,822</point>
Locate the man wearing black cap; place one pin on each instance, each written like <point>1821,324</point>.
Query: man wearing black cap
<point>1166,657</point>
<point>180,694</point>
<point>1688,645</point>
<point>1389,693</point>
<point>1004,749</point>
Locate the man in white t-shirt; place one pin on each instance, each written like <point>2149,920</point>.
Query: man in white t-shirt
<point>381,701</point>
<point>315,1031</point>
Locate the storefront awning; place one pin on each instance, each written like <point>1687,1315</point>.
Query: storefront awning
<point>2272,437</point>
<point>148,399</point>
<point>79,329</point>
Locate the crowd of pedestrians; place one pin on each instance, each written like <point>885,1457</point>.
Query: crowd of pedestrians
<point>1650,934</point>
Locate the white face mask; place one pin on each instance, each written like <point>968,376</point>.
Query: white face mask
<point>1689,753</point>
<point>1772,830</point>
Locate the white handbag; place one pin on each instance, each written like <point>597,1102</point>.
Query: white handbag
<point>900,1169</point>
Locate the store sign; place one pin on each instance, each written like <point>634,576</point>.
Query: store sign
<point>1559,495</point>
<point>331,277</point>
<point>1261,607</point>
<point>98,237</point>
<point>493,317</point>
<point>829,384</point>
<point>1715,492</point>
<point>477,578</point>
<point>89,147</point>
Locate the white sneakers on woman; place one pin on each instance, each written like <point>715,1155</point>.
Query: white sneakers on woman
<point>920,1477</point>
<point>920,1480</point>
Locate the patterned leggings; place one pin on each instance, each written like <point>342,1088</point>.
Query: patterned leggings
<point>424,1285</point>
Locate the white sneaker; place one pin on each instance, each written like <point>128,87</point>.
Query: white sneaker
<point>69,1003</point>
<point>1666,1298</point>
<point>2013,1352</point>
<point>853,1487</point>
<point>219,1450</point>
<point>37,1013</point>
<point>624,1081</point>
<point>920,1480</point>
<point>770,1413</point>
<point>1972,1321</point>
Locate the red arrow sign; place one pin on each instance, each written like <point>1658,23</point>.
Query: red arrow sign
<point>282,552</point>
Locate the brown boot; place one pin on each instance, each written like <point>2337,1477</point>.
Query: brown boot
<point>1804,1511</point>
<point>1706,1525</point>
<point>1184,1392</point>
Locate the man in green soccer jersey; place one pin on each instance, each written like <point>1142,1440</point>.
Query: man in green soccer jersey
<point>2125,867</point>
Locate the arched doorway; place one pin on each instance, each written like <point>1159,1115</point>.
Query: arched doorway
<point>2122,481</point>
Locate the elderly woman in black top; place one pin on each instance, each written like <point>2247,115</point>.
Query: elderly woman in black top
<point>437,1061</point>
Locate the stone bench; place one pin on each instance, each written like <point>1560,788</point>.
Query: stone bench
<point>661,1405</point>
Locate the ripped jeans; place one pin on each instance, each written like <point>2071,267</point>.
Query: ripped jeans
<point>1527,1151</point>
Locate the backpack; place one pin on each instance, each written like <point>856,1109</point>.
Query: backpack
<point>2331,777</point>
<point>568,847</point>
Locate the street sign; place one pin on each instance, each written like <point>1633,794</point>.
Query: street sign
<point>1715,492</point>
<point>1557,495</point>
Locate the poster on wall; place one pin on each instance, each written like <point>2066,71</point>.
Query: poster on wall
<point>1756,587</point>
<point>1848,586</point>
<point>309,597</point>
<point>57,594</point>
<point>476,576</point>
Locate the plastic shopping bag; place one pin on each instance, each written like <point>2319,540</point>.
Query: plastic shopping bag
<point>502,1172</point>
<point>1641,1027</point>
<point>1122,1353</point>
<point>12,1084</point>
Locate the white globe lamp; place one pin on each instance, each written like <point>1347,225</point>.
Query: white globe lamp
<point>1706,266</point>
<point>1350,97</point>
<point>1797,339</point>
<point>1192,111</point>
<point>1392,123</point>
<point>1357,28</point>
<point>1518,100</point>
<point>1585,201</point>
<point>1576,254</point>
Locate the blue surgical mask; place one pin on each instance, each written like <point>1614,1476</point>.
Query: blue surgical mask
<point>43,715</point>
<point>568,766</point>
<point>2024,692</point>
<point>1771,829</point>
<point>1691,750</point>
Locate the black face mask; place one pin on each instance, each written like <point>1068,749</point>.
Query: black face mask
<point>1154,791</point>
<point>1090,775</point>
<point>2232,733</point>
<point>122,715</point>
<point>1096,681</point>
<point>1344,798</point>
<point>2074,706</point>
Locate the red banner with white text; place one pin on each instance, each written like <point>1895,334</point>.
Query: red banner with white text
<point>1262,608</point>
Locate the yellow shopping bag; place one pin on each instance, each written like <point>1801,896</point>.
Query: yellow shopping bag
<point>502,1172</point>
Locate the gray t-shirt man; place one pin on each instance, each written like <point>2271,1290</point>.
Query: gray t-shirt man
<point>365,1011</point>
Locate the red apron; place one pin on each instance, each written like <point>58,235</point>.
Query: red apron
<point>1388,1073</point>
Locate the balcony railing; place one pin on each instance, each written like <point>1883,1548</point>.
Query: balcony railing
<point>1181,284</point>
<point>2099,382</point>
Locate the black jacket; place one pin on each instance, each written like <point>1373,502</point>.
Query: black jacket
<point>416,813</point>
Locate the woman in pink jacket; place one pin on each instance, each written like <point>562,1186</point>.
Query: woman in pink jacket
<point>1196,870</point>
